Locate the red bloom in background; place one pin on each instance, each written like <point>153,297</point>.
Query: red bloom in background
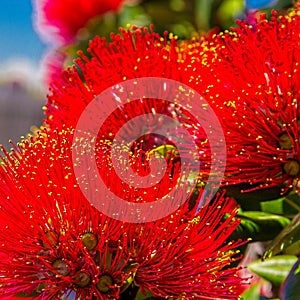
<point>54,242</point>
<point>250,76</point>
<point>60,20</point>
<point>52,64</point>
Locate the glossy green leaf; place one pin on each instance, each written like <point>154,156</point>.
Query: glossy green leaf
<point>166,151</point>
<point>252,293</point>
<point>288,236</point>
<point>259,226</point>
<point>287,205</point>
<point>141,296</point>
<point>274,269</point>
<point>278,206</point>
<point>293,198</point>
<point>24,295</point>
<point>290,290</point>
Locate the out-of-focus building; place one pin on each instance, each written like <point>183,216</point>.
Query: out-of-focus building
<point>21,99</point>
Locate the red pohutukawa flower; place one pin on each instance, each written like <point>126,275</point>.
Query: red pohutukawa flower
<point>133,54</point>
<point>60,20</point>
<point>195,266</point>
<point>55,243</point>
<point>252,80</point>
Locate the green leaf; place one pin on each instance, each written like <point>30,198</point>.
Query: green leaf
<point>290,290</point>
<point>167,151</point>
<point>25,295</point>
<point>141,296</point>
<point>293,198</point>
<point>278,206</point>
<point>203,13</point>
<point>228,10</point>
<point>134,15</point>
<point>288,236</point>
<point>287,205</point>
<point>274,269</point>
<point>252,293</point>
<point>259,226</point>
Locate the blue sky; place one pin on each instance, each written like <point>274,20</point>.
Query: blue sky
<point>17,36</point>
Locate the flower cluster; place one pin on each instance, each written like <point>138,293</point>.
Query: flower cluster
<point>69,247</point>
<point>57,243</point>
<point>250,77</point>
<point>128,56</point>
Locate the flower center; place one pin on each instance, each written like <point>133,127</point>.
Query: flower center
<point>104,283</point>
<point>61,267</point>
<point>82,278</point>
<point>89,240</point>
<point>292,167</point>
<point>285,142</point>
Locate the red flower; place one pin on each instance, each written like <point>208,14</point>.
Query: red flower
<point>250,76</point>
<point>189,255</point>
<point>134,54</point>
<point>53,62</point>
<point>60,20</point>
<point>54,242</point>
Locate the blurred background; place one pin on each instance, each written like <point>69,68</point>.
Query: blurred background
<point>38,38</point>
<point>22,93</point>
